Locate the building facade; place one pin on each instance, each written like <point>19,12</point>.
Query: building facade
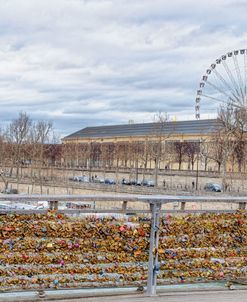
<point>168,145</point>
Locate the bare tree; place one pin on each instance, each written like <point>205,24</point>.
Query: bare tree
<point>144,156</point>
<point>192,150</point>
<point>240,120</point>
<point>157,147</point>
<point>105,157</point>
<point>136,154</point>
<point>4,155</point>
<point>40,135</point>
<point>17,137</point>
<point>204,152</point>
<point>179,152</point>
<point>223,142</point>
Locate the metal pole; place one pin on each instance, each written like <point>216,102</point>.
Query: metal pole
<point>156,261</point>
<point>197,164</point>
<point>153,264</point>
<point>197,170</point>
<point>124,205</point>
<point>242,206</point>
<point>151,248</point>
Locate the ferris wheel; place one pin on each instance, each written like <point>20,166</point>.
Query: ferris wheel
<point>224,82</point>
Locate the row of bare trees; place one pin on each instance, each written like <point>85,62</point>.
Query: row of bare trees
<point>223,150</point>
<point>228,144</point>
<point>25,143</point>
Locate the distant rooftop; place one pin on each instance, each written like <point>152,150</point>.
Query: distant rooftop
<point>144,129</point>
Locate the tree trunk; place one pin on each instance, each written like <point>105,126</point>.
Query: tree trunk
<point>156,169</point>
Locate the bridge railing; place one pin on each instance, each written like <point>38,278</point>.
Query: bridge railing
<point>169,245</point>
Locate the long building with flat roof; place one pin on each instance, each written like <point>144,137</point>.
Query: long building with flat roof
<point>187,129</point>
<point>173,145</point>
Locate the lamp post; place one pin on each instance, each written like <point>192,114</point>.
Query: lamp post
<point>197,164</point>
<point>90,160</point>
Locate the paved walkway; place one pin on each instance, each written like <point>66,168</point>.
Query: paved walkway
<point>216,296</point>
<point>185,293</point>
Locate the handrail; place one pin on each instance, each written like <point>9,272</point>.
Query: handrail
<point>121,197</point>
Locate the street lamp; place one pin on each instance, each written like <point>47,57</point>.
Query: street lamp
<point>197,164</point>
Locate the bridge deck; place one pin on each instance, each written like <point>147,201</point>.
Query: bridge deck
<point>202,296</point>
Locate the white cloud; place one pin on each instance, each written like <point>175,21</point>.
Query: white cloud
<point>99,62</point>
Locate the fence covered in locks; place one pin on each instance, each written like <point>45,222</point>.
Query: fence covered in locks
<point>55,250</point>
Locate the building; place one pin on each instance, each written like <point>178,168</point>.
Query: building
<point>168,145</point>
<point>177,130</point>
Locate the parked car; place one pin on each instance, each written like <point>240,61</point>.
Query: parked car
<point>110,181</point>
<point>10,191</point>
<point>148,183</point>
<point>99,180</point>
<point>213,187</point>
<point>125,182</point>
<point>79,178</point>
<point>84,178</point>
<point>74,178</point>
<point>131,182</point>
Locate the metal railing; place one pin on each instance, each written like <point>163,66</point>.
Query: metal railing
<point>155,203</point>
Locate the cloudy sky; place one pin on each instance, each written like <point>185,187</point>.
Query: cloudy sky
<point>82,63</point>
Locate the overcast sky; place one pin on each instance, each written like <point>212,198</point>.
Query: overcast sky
<point>86,63</point>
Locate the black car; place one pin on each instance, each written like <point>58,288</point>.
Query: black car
<point>125,182</point>
<point>110,181</point>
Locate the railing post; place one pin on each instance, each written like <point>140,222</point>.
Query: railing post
<point>53,204</point>
<point>56,205</point>
<point>183,203</point>
<point>242,206</point>
<point>50,204</point>
<point>124,205</point>
<point>153,264</point>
